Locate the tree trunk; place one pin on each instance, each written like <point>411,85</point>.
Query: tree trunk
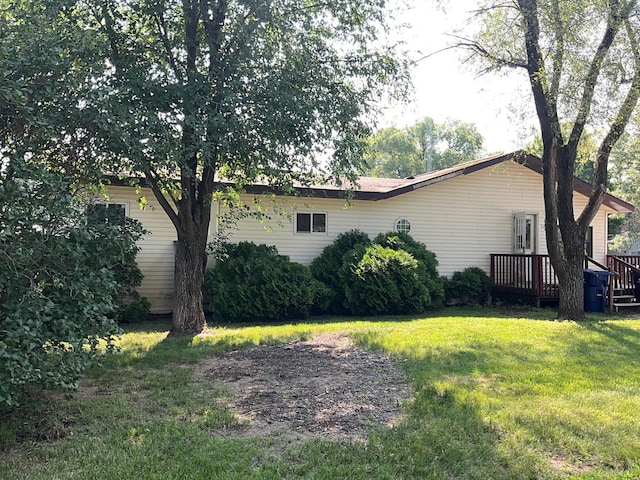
<point>571,285</point>
<point>190,261</point>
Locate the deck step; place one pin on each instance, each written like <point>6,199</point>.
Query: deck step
<point>623,297</point>
<point>625,304</point>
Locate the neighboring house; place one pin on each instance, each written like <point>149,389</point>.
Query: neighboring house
<point>463,214</point>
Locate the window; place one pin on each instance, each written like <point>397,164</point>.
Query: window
<point>402,225</point>
<point>101,212</point>
<point>311,222</point>
<point>588,243</point>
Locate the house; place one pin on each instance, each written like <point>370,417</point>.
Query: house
<point>473,214</point>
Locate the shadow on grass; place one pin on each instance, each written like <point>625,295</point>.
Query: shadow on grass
<point>169,350</point>
<point>628,338</point>
<point>144,347</point>
<point>445,430</point>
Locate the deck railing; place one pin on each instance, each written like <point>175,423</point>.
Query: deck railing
<point>523,274</point>
<point>533,275</point>
<point>623,266</point>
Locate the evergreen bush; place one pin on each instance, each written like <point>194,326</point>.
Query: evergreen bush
<point>472,286</point>
<point>394,274</point>
<point>380,280</point>
<point>427,263</point>
<point>254,283</point>
<point>327,266</point>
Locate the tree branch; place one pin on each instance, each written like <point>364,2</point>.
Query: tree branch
<point>615,132</point>
<point>558,55</point>
<point>498,6</point>
<point>547,111</point>
<point>109,30</point>
<point>162,30</point>
<point>158,193</point>
<point>496,62</point>
<point>617,16</point>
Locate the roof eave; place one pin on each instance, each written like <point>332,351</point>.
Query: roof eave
<point>521,157</point>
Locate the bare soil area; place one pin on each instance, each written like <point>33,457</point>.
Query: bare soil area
<point>324,386</point>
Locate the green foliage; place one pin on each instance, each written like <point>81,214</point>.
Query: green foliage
<point>395,274</point>
<point>60,281</point>
<point>325,267</point>
<point>381,280</point>
<point>472,286</point>
<point>121,250</point>
<point>255,283</point>
<point>625,180</point>
<point>47,69</point>
<point>425,146</point>
<point>134,309</point>
<point>392,153</point>
<point>427,262</point>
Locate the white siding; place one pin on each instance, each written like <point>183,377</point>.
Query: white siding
<point>156,256</point>
<point>462,220</point>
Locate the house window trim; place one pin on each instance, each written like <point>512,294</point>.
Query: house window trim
<point>402,219</point>
<point>588,242</point>
<point>122,203</point>
<point>519,237</point>
<point>311,232</point>
<point>107,203</point>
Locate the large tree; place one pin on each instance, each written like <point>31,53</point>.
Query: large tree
<point>423,147</point>
<point>582,61</point>
<point>197,92</point>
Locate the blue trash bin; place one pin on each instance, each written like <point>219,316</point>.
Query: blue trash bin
<point>596,287</point>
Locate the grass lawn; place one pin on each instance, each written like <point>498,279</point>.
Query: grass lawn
<point>498,395</point>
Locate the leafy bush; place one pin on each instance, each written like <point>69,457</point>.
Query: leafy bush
<point>427,262</point>
<point>121,252</point>
<point>395,274</point>
<point>380,280</point>
<point>134,309</point>
<point>325,268</point>
<point>58,288</point>
<point>472,286</point>
<point>255,283</point>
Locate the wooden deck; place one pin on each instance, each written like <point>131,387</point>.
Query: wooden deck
<point>531,277</point>
<point>528,277</point>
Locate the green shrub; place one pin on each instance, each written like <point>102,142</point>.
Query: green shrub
<point>254,283</point>
<point>472,286</point>
<point>367,280</point>
<point>381,280</point>
<point>325,268</point>
<point>59,285</point>
<point>427,262</point>
<point>135,309</point>
<point>121,252</point>
<point>118,249</point>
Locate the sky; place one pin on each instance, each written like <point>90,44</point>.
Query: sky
<point>445,88</point>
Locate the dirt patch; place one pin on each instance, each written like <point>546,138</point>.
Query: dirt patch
<point>324,386</point>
